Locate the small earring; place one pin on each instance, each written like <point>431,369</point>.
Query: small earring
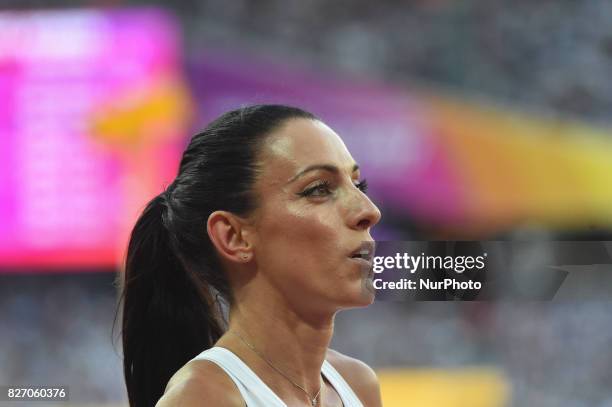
<point>244,256</point>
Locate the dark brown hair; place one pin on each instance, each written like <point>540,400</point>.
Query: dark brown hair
<point>172,273</point>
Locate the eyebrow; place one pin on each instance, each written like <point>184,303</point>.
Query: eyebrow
<point>325,167</point>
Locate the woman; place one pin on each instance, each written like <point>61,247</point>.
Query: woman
<point>267,217</point>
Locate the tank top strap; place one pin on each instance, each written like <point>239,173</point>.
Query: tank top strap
<point>346,393</point>
<point>252,389</point>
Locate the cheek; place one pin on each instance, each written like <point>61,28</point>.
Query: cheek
<point>302,239</point>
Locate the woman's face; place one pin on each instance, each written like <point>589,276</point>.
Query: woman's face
<point>312,217</point>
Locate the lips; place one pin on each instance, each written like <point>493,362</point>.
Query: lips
<point>364,251</point>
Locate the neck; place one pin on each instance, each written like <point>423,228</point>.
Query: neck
<point>293,343</point>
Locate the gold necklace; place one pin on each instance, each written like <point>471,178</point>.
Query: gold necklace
<point>313,400</point>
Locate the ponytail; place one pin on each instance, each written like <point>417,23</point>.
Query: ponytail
<point>167,315</point>
<point>171,269</point>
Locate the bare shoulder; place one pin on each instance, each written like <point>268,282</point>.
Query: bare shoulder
<point>359,376</point>
<point>201,383</point>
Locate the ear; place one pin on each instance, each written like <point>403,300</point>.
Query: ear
<point>228,233</point>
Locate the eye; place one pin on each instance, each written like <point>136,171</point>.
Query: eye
<point>362,185</point>
<point>321,189</point>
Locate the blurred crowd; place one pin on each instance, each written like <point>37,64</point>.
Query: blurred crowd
<point>554,354</point>
<point>55,330</point>
<point>552,56</point>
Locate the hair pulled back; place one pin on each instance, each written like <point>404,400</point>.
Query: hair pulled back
<point>171,273</point>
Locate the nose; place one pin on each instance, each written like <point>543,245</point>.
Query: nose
<point>365,214</point>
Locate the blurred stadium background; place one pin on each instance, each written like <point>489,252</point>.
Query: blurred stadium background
<point>471,120</point>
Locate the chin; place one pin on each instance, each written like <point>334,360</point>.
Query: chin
<point>361,297</point>
<point>367,298</point>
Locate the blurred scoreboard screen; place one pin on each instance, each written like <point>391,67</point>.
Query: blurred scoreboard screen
<point>91,110</point>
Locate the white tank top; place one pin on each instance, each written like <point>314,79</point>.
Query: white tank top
<point>256,393</point>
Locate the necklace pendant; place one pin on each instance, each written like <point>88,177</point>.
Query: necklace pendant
<point>314,402</point>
